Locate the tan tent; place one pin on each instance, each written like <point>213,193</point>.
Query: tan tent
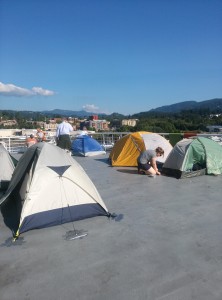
<point>7,166</point>
<point>49,187</point>
<point>128,148</point>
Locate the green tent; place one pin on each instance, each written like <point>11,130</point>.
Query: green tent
<point>193,157</point>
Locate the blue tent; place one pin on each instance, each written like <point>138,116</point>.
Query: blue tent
<point>84,145</point>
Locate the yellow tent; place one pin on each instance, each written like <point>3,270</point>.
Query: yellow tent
<point>128,148</point>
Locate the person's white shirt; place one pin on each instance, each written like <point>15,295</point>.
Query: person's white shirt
<point>64,128</point>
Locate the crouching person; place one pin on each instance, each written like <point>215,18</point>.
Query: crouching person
<point>147,162</point>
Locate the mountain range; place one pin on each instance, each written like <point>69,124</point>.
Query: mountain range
<point>212,105</point>
<point>67,113</point>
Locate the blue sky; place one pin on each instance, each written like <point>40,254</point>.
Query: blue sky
<point>106,56</point>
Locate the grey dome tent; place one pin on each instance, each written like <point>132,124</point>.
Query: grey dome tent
<point>49,187</point>
<point>193,157</point>
<point>7,166</point>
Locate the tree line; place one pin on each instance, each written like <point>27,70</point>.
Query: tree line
<point>187,120</point>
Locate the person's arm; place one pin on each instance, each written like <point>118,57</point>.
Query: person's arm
<point>153,164</point>
<point>70,128</point>
<point>57,135</point>
<point>57,132</point>
<point>44,136</point>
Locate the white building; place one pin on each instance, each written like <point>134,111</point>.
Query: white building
<point>214,128</point>
<point>129,122</point>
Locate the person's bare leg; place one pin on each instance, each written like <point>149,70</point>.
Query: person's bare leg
<point>151,171</point>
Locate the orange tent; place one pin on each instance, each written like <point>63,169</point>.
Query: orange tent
<point>128,148</point>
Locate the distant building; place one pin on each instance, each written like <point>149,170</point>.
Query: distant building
<point>94,117</point>
<point>9,132</point>
<point>8,123</point>
<point>40,124</point>
<point>51,124</point>
<point>94,122</point>
<point>215,115</point>
<point>129,122</point>
<point>102,125</point>
<point>214,128</point>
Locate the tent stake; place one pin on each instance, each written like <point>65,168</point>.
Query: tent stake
<point>74,234</point>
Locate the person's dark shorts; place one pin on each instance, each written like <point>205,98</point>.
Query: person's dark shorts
<point>144,167</point>
<point>64,142</point>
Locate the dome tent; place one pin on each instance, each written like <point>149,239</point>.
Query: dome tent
<point>84,145</point>
<point>7,163</point>
<point>126,150</point>
<point>48,188</point>
<point>193,157</point>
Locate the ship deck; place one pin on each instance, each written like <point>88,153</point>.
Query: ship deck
<point>164,244</point>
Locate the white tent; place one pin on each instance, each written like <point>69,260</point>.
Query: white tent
<point>51,188</point>
<point>6,167</point>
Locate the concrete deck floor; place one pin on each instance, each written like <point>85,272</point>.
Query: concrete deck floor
<point>168,244</point>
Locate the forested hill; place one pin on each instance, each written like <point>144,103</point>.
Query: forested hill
<point>213,106</point>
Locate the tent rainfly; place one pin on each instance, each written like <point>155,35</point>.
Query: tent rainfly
<point>49,187</point>
<point>7,166</point>
<point>84,145</point>
<point>127,149</point>
<point>193,157</point>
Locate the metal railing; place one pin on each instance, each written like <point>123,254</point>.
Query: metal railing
<point>17,144</point>
<point>107,139</point>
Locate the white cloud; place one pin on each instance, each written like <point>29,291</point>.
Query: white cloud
<point>94,109</point>
<point>42,92</point>
<point>91,108</point>
<point>13,90</point>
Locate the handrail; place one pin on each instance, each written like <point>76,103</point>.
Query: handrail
<point>17,144</point>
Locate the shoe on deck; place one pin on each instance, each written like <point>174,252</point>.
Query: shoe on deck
<point>152,176</point>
